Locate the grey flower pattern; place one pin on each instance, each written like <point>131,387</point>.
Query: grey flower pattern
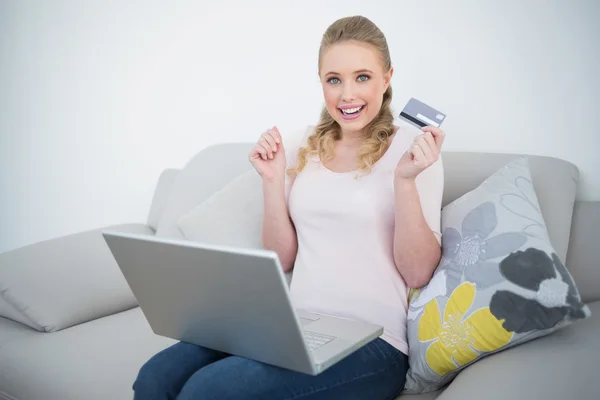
<point>471,251</point>
<point>524,204</point>
<point>554,294</point>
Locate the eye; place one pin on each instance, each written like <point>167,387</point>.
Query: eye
<point>363,78</point>
<point>333,80</point>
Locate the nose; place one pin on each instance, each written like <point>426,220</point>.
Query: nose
<point>348,92</point>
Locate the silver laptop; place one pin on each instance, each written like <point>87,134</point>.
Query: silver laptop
<point>232,300</point>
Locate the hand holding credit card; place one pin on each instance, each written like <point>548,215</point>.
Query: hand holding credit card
<point>426,147</point>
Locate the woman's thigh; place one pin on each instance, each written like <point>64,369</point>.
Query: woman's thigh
<point>163,375</point>
<point>376,371</point>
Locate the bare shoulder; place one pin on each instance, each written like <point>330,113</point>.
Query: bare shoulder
<point>295,140</point>
<point>401,139</point>
<point>395,132</point>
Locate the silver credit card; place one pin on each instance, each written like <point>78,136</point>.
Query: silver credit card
<point>420,114</point>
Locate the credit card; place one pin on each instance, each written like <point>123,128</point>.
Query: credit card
<point>420,114</point>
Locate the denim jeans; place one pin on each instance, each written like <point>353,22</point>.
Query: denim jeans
<point>185,372</point>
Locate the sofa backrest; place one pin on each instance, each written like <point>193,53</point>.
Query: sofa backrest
<point>555,182</point>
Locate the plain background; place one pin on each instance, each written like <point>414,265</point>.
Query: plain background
<point>98,97</point>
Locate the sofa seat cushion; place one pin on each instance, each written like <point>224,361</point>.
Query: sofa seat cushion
<point>562,365</point>
<point>100,360</point>
<point>421,396</point>
<point>11,330</point>
<point>96,360</point>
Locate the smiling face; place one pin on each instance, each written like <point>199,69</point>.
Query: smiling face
<point>354,80</point>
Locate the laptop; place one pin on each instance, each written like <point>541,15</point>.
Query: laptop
<point>234,300</point>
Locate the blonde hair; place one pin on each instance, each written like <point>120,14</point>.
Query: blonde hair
<point>327,131</point>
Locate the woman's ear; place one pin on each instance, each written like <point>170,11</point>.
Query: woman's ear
<point>388,78</point>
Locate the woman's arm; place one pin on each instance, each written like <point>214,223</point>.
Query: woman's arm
<point>278,232</point>
<point>418,191</point>
<point>417,250</point>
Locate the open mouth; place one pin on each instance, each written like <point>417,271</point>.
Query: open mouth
<point>351,113</point>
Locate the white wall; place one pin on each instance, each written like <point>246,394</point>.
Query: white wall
<point>97,97</point>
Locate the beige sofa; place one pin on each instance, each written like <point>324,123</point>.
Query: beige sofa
<point>71,329</point>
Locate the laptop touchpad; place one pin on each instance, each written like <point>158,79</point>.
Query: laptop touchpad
<point>306,317</point>
<point>306,321</point>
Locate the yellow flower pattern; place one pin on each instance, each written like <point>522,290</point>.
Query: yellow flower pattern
<point>414,294</point>
<point>458,340</point>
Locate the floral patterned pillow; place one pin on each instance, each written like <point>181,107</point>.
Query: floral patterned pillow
<point>499,283</point>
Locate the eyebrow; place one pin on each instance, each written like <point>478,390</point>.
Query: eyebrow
<point>356,72</point>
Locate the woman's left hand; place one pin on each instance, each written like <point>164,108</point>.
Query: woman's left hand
<point>424,151</point>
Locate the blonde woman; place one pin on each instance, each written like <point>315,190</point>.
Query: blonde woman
<point>354,209</point>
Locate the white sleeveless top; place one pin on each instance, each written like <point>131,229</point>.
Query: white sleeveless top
<point>345,228</point>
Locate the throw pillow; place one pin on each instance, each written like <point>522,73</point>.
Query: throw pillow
<point>208,171</point>
<point>499,283</point>
<point>232,216</point>
<point>58,283</point>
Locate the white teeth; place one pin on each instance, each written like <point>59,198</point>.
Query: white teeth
<point>351,110</point>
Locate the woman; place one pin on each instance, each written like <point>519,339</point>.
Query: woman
<point>354,209</point>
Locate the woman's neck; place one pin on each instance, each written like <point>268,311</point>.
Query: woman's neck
<point>352,137</point>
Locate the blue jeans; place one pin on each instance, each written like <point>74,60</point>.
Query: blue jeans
<point>185,372</point>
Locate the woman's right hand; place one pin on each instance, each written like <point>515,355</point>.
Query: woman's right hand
<point>268,155</point>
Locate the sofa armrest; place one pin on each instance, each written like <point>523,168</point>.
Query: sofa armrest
<point>559,366</point>
<point>61,282</point>
<point>583,257</point>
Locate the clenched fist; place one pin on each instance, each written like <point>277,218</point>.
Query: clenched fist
<point>268,156</point>
<point>424,151</point>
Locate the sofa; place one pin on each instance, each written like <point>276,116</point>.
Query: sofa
<point>70,328</point>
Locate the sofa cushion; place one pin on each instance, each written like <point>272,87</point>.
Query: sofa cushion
<point>161,195</point>
<point>97,360</point>
<point>65,281</point>
<point>562,365</point>
<point>499,283</point>
<point>206,173</point>
<point>420,396</point>
<point>231,216</point>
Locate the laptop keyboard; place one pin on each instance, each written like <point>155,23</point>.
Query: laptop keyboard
<point>315,340</point>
